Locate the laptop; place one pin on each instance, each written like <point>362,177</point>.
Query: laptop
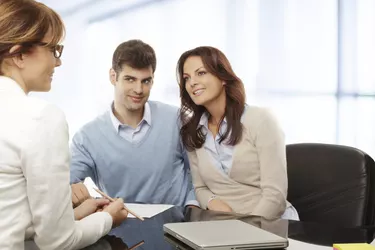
<point>176,243</point>
<point>223,235</point>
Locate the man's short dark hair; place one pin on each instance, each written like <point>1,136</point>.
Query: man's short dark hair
<point>134,53</point>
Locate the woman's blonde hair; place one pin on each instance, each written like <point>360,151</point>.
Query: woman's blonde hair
<point>26,23</point>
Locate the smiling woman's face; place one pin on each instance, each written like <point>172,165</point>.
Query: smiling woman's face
<point>202,86</point>
<point>39,66</point>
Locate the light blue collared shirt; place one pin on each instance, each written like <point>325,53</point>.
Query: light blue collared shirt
<point>130,134</point>
<point>221,154</point>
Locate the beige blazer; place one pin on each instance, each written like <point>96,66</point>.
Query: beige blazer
<point>257,182</point>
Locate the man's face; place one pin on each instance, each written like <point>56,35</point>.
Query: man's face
<point>132,86</point>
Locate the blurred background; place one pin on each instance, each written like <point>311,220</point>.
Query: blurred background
<point>311,61</point>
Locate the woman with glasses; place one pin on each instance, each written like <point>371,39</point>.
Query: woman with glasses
<point>35,196</point>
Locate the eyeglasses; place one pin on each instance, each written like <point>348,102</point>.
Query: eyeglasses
<point>56,49</point>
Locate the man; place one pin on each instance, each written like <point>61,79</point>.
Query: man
<point>133,151</point>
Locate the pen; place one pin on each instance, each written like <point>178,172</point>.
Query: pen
<point>111,199</point>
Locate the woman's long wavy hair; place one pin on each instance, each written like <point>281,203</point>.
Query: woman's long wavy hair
<point>217,64</point>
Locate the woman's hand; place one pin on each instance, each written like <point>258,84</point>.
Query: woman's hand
<point>219,205</point>
<point>88,207</point>
<point>117,211</point>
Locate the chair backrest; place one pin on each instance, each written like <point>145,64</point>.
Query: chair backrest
<point>331,184</point>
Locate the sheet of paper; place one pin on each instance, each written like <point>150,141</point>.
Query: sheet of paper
<point>144,210</point>
<point>147,210</point>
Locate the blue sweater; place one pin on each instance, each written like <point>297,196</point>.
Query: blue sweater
<point>154,170</point>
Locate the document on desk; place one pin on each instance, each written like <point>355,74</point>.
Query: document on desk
<point>144,210</point>
<point>147,210</point>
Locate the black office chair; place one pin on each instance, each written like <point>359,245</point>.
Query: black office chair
<point>331,184</point>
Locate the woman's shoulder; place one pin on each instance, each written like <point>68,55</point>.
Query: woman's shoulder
<point>257,114</point>
<point>257,118</point>
<point>40,109</point>
<point>42,118</point>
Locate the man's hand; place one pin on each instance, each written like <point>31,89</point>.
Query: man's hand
<point>79,194</point>
<point>88,207</point>
<point>219,205</point>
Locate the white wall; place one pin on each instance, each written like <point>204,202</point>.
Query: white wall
<point>286,51</point>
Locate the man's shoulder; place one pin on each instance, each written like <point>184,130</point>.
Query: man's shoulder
<point>164,112</point>
<point>92,127</point>
<point>164,107</point>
